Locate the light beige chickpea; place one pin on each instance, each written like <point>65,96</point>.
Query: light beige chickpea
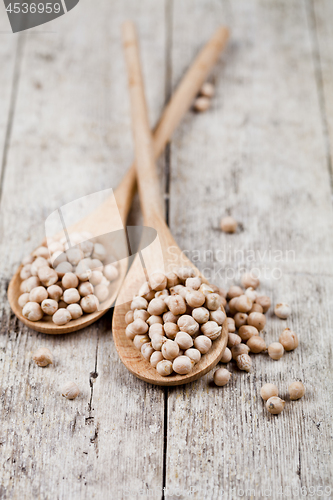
<point>70,280</point>
<point>61,317</point>
<point>247,331</point>
<point>170,349</point>
<point>111,272</point>
<point>232,306</point>
<point>221,377</point>
<point>96,277</point>
<point>229,224</point>
<point>129,317</point>
<point>256,344</point>
<point>206,289</point>
<point>102,293</point>
<point>172,279</point>
<point>175,290</point>
<point>57,258</point>
<point>89,303</point>
<point>156,307</point>
<point>156,328</point>
<point>233,339</point>
<point>243,304</point>
<point>96,265</point>
<point>194,283</point>
<point>177,305</point>
<point>70,390</point>
<point>83,270</point>
<point>85,289</point>
<point>211,330</point>
<point>282,311</point>
<point>38,294</point>
<point>139,303</point>
<point>251,293</point>
<point>239,349</point>
<point>268,391</point>
<point>30,283</point>
<point>244,362</point>
<point>275,350</point>
<point>130,332</point>
<point>256,308</point>
<point>182,365</point>
<point>39,262</point>
<point>71,296</point>
<point>257,320</point>
<point>157,281</point>
<point>23,299</point>
<point>75,311</point>
<point>213,301</point>
<point>201,315</point>
<point>193,354</point>
<point>25,272</point>
<point>227,356</point>
<point>188,324</point>
<point>49,306</point>
<point>231,325</point>
<point>153,319</point>
<point>139,326</point>
<point>275,405</point>
<point>147,350</point>
<point>185,272</point>
<point>234,291</point>
<point>202,343</point>
<point>87,248</point>
<point>142,314</point>
<point>264,301</point>
<point>32,311</point>
<point>249,280</point>
<point>43,357</point>
<point>296,391</point>
<point>240,319</point>
<point>171,330</point>
<point>201,104</point>
<point>288,339</point>
<point>218,316</point>
<point>207,90</point>
<point>74,256</point>
<point>155,358</point>
<point>184,340</point>
<point>195,298</point>
<point>99,252</point>
<point>164,367</point>
<point>157,341</point>
<point>63,268</point>
<point>162,294</point>
<point>169,317</point>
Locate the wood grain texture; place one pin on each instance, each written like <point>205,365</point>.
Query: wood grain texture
<point>259,154</point>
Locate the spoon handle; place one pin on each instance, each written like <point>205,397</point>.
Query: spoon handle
<point>179,103</point>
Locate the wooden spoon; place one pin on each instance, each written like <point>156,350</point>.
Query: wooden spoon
<point>118,205</point>
<point>163,254</point>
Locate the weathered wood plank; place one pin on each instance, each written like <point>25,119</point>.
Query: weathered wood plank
<point>259,154</point>
<point>71,137</point>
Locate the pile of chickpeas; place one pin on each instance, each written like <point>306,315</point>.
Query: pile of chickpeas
<point>174,319</point>
<point>65,282</point>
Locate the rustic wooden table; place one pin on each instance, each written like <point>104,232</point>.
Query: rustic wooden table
<point>262,153</point>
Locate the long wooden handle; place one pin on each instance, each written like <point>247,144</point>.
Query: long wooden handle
<point>180,102</point>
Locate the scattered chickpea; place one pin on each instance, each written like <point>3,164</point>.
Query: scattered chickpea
<point>275,350</point>
<point>268,391</point>
<point>229,225</point>
<point>233,339</point>
<point>43,357</point>
<point>257,320</point>
<point>264,302</point>
<point>70,390</point>
<point>234,291</point>
<point>288,339</point>
<point>256,344</point>
<point>227,356</point>
<point>239,349</point>
<point>243,304</point>
<point>201,104</point>
<point>275,405</point>
<point>221,377</point>
<point>231,325</point>
<point>296,391</point>
<point>282,311</point>
<point>244,362</point>
<point>240,319</point>
<point>247,331</point>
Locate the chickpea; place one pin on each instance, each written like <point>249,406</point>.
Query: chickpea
<point>234,291</point>
<point>177,305</point>
<point>102,293</point>
<point>288,339</point>
<point>155,358</point>
<point>275,405</point>
<point>249,280</point>
<point>147,350</point>
<point>129,317</point>
<point>185,272</point>
<point>244,362</point>
<point>296,390</point>
<point>156,307</point>
<point>211,329</point>
<point>30,283</point>
<point>32,311</point>
<point>246,332</point>
<point>182,365</point>
<point>169,317</point>
<point>139,340</point>
<point>171,330</point>
<point>153,319</point>
<point>49,306</point>
<point>194,283</point>
<point>231,325</point>
<point>61,317</point>
<point>206,289</point>
<point>89,303</point>
<point>74,256</point>
<point>202,343</point>
<point>164,368</point>
<point>25,272</point>
<point>75,310</point>
<point>99,252</point>
<point>221,377</point>
<point>156,328</point>
<point>141,313</point>
<point>188,324</point>
<point>170,349</point>
<point>243,304</point>
<point>71,295</point>
<point>139,326</point>
<point>233,339</point>
<point>157,341</point>
<point>251,293</point>
<point>96,277</point>
<point>282,311</point>
<point>264,301</point>
<point>268,391</point>
<point>229,225</point>
<point>87,248</point>
<point>184,340</point>
<point>140,303</point>
<point>256,308</point>
<point>193,354</point>
<point>239,349</point>
<point>23,299</point>
<point>232,306</point>
<point>275,350</point>
<point>227,356</point>
<point>257,320</point>
<point>195,298</point>
<point>39,262</point>
<point>201,104</point>
<point>207,90</point>
<point>38,294</point>
<point>70,280</point>
<point>111,272</point>
<point>256,344</point>
<point>41,252</point>
<point>158,281</point>
<point>172,280</point>
<point>218,316</point>
<point>201,315</point>
<point>240,319</point>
